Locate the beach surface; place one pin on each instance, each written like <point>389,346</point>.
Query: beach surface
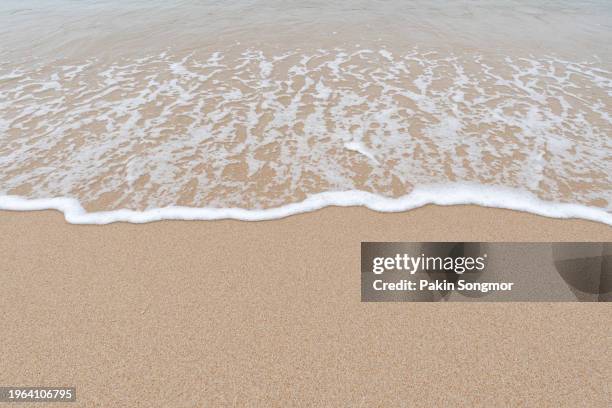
<point>230,313</point>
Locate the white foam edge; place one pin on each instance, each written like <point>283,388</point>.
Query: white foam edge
<point>445,195</point>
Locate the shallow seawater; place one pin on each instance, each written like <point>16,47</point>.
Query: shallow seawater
<point>258,104</point>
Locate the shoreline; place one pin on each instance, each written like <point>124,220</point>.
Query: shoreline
<point>441,195</point>
<point>464,222</point>
<point>291,204</point>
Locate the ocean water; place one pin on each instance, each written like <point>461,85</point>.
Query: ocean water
<point>144,110</point>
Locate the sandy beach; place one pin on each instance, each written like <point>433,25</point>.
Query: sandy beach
<point>255,145</point>
<point>229,313</point>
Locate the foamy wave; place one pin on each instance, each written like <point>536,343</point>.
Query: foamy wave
<point>440,195</point>
<point>260,129</point>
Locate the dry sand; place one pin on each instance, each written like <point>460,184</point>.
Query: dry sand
<point>227,313</point>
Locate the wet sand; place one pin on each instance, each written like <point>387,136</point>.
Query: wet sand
<point>231,313</point>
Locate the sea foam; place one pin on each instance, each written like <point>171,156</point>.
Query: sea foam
<point>440,195</point>
<point>250,133</point>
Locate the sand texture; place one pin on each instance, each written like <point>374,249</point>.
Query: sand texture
<point>228,313</point>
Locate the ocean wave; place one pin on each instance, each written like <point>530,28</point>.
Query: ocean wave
<point>444,195</point>
<point>259,129</point>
